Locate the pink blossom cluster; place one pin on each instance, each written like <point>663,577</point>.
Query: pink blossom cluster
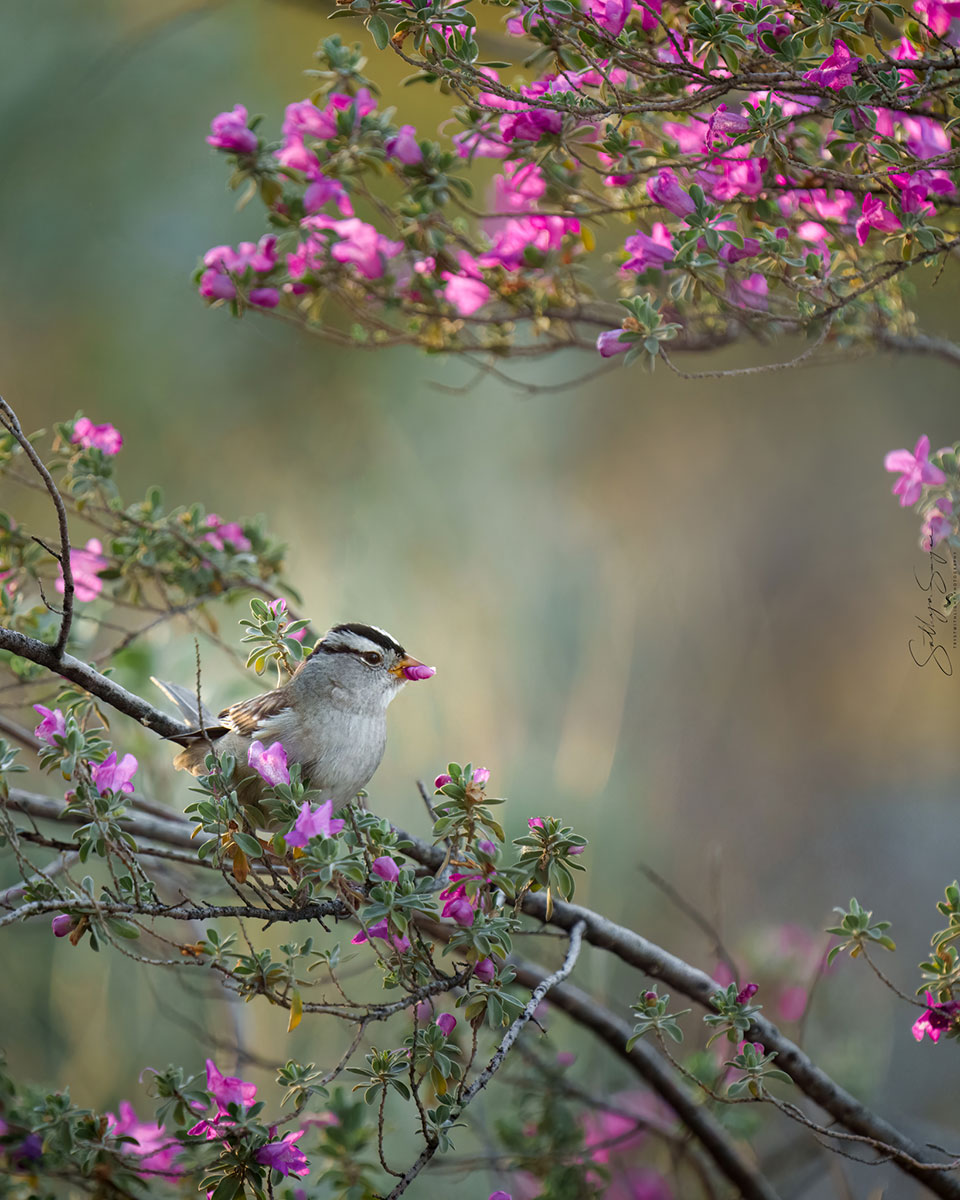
<point>85,565</point>
<point>105,438</point>
<point>248,264</point>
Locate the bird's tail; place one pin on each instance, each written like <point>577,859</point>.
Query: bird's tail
<point>197,715</point>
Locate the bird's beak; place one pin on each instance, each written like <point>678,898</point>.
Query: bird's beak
<point>411,668</point>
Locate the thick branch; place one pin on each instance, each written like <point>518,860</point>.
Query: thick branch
<point>919,343</point>
<point>656,1072</point>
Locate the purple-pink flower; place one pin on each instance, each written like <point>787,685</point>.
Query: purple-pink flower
<point>611,15</point>
<point>915,470</point>
<point>228,131</point>
<point>62,924</point>
<point>666,191</point>
<point>938,524</point>
<point>269,764</point>
<point>52,726</point>
<point>403,146</point>
<point>85,564</point>
<point>647,250</point>
<point>382,930</point>
<point>313,823</point>
<point>535,823</point>
<point>875,215</point>
<point>936,1019</point>
<point>480,774</point>
<point>227,1089</point>
<point>446,1022</point>
<point>419,671</point>
<point>747,992</point>
<point>114,776</point>
<point>386,868</point>
<point>105,438</point>
<point>837,71</point>
<point>284,1157</point>
<point>152,1145</point>
<point>442,781</point>
<point>609,343</point>
<point>485,970</point>
<point>220,533</point>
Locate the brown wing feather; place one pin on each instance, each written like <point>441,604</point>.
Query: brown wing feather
<point>247,716</point>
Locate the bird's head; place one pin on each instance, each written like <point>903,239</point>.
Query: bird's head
<point>367,663</point>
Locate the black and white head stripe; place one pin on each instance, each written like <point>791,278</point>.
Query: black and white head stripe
<point>358,639</point>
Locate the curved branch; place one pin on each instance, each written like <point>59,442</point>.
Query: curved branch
<point>10,422</point>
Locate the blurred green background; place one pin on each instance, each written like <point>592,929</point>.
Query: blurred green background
<point>675,613</point>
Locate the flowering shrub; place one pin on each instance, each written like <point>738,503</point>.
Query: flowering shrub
<point>440,917</point>
<point>716,170</point>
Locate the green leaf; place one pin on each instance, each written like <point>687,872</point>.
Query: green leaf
<point>381,33</point>
<point>249,845</point>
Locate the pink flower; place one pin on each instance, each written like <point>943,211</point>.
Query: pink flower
<point>938,524</point>
<point>155,1148</point>
<point>442,781</point>
<point>228,131</point>
<point>419,671</point>
<point>487,847</point>
<point>227,1089</point>
<point>52,726</point>
<point>386,868</point>
<point>647,250</point>
<point>446,1022</point>
<point>271,764</point>
<point>875,215</point>
<point>666,191</point>
<point>747,992</point>
<point>500,1196</point>
<point>403,146</point>
<point>278,608</point>
<point>313,823</point>
<point>728,123</point>
<point>85,564</point>
<point>459,908</point>
<point>837,71</point>
<point>284,1157</point>
<point>609,343</point>
<point>111,775</point>
<point>535,823</point>
<point>62,924</point>
<point>465,293</point>
<point>220,533</point>
<point>323,191</point>
<point>105,438</point>
<point>915,470</point>
<point>265,297</point>
<point>382,930</point>
<point>610,14</point>
<point>936,1019</point>
<point>480,775</point>
<point>485,970</point>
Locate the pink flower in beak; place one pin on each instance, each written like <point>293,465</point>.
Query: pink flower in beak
<point>419,671</point>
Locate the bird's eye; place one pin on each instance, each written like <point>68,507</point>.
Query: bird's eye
<point>373,658</point>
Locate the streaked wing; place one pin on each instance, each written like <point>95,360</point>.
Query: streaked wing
<point>247,717</point>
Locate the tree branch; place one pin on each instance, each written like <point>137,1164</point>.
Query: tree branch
<point>10,422</point>
<point>660,1078</point>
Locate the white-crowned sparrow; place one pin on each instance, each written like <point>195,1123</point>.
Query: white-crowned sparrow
<point>330,716</point>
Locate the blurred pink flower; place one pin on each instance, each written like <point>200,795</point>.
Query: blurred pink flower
<point>313,823</point>
<point>101,437</point>
<point>155,1148</point>
<point>792,1002</point>
<point>747,992</point>
<point>382,930</point>
<point>284,1156</point>
<point>535,823</point>
<point>936,1019</point>
<point>609,342</point>
<point>270,764</point>
<point>666,191</point>
<point>53,724</point>
<point>938,524</point>
<point>403,146</point>
<point>446,1022</point>
<point>915,470</point>
<point>480,775</point>
<point>85,564</point>
<point>219,533</point>
<point>228,131</point>
<point>227,1089</point>
<point>111,775</point>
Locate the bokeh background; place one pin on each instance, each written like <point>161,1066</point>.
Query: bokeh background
<point>676,613</point>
